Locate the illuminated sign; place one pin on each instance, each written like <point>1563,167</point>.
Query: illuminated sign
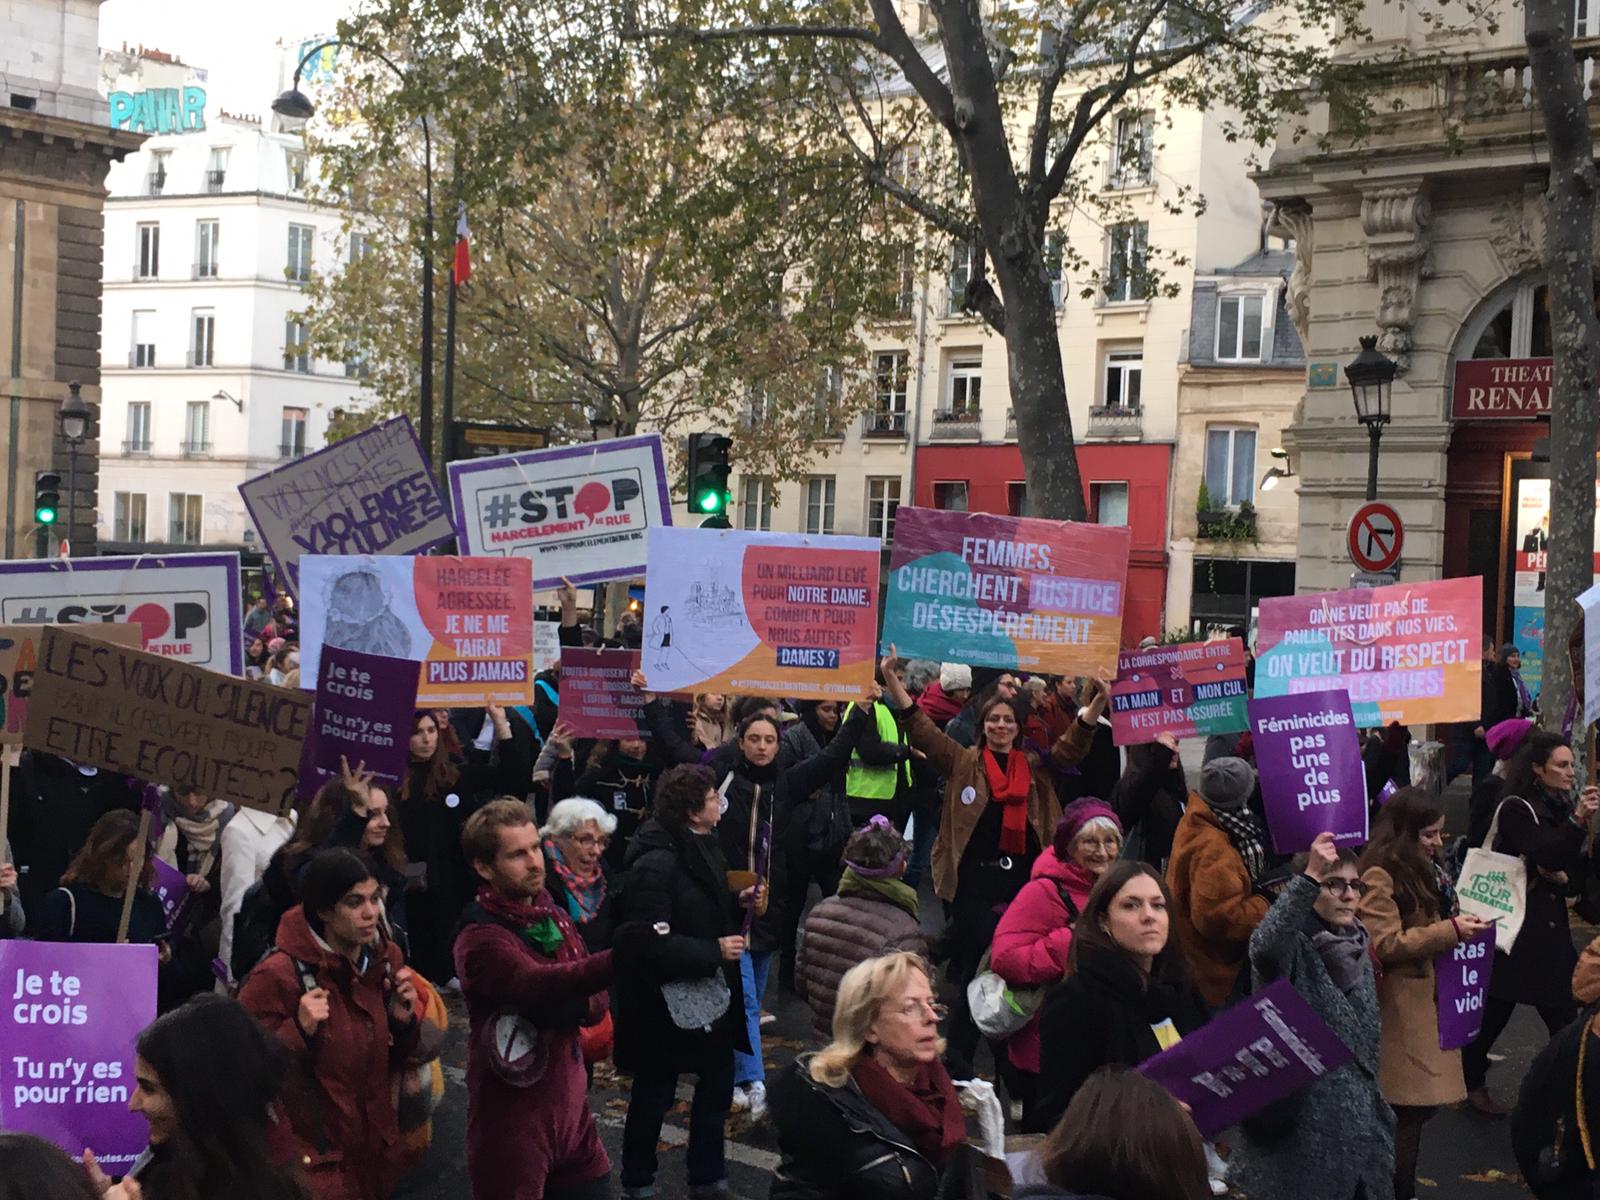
<point>159,110</point>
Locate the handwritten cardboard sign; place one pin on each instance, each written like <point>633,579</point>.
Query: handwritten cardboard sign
<point>19,654</point>
<point>167,722</point>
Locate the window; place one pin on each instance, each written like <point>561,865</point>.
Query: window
<point>144,338</point>
<point>1053,256</point>
<point>183,518</point>
<point>358,245</point>
<point>883,501</point>
<point>296,347</point>
<point>1230,466</point>
<point>1585,18</point>
<point>755,502</point>
<point>758,408</point>
<point>298,268</point>
<point>137,433</point>
<point>963,257</point>
<point>819,504</point>
<point>1017,499</point>
<point>206,235</point>
<point>357,364</point>
<point>295,162</point>
<point>906,282</point>
<point>156,181</point>
<point>951,496</point>
<point>965,390</point>
<point>197,428</point>
<point>293,440</point>
<point>1124,373</point>
<point>203,339</point>
<point>1127,262</point>
<point>217,169</point>
<point>149,263</point>
<point>1108,503</point>
<point>1131,150</point>
<point>1239,328</point>
<point>128,516</point>
<point>891,375</point>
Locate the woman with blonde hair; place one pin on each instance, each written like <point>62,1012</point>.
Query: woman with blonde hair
<point>874,1114</point>
<point>710,723</point>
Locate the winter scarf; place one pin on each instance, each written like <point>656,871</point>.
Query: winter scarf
<point>895,891</point>
<point>1009,786</point>
<point>200,831</point>
<point>1343,952</point>
<point>1247,836</point>
<point>584,896</point>
<point>539,929</point>
<point>926,1110</point>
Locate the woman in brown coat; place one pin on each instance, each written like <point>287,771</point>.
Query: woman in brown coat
<point>999,812</point>
<point>1411,917</point>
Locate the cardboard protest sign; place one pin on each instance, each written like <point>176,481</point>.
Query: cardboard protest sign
<point>1191,690</point>
<point>1589,601</point>
<point>1461,982</point>
<point>371,493</point>
<point>1010,592</point>
<point>766,614</point>
<point>582,512</point>
<point>597,699</point>
<point>363,713</point>
<point>467,621</point>
<point>69,1022</point>
<point>19,654</point>
<point>165,721</point>
<point>1312,780</point>
<point>1409,653</point>
<point>187,606</point>
<point>1258,1051</point>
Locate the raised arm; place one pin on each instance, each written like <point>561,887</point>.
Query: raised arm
<point>668,734</point>
<point>492,966</point>
<point>1074,745</point>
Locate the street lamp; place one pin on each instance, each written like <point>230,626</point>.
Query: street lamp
<point>72,419</point>
<point>1371,375</point>
<point>297,106</point>
<point>1275,472</point>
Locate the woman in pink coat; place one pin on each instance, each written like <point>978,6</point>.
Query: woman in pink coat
<point>1031,943</point>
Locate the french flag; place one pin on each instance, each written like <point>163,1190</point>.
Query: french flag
<point>461,271</point>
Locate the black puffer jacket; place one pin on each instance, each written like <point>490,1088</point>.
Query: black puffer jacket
<point>1150,797</point>
<point>673,906</point>
<point>836,1146</point>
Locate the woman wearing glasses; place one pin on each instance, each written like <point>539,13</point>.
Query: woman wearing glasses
<point>1333,1140</point>
<point>873,1115</point>
<point>1410,911</point>
<point>576,838</point>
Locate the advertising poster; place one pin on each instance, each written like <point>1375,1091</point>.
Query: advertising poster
<point>597,699</point>
<point>187,606</point>
<point>363,713</point>
<point>1410,652</point>
<point>1309,758</point>
<point>1461,981</point>
<point>1530,541</point>
<point>1258,1051</point>
<point>1008,592</point>
<point>467,621</point>
<point>582,512</point>
<point>68,1025</point>
<point>765,614</point>
<point>372,493</point>
<point>166,722</point>
<point>1192,690</point>
<point>19,656</point>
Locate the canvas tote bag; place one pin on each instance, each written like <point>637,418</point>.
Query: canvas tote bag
<point>1494,886</point>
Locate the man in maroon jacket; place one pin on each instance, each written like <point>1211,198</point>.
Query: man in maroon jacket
<point>529,983</point>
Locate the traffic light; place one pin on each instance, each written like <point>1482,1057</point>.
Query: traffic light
<point>708,477</point>
<point>46,497</point>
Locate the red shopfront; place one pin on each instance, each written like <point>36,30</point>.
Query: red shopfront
<point>1122,484</point>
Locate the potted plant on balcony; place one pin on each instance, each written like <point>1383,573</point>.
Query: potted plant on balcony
<point>1224,524</point>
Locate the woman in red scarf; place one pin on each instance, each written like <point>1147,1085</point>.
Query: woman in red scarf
<point>873,1115</point>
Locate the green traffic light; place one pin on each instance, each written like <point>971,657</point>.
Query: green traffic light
<point>710,502</point>
<point>45,516</point>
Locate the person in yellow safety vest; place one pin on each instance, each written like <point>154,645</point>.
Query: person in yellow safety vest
<point>879,776</point>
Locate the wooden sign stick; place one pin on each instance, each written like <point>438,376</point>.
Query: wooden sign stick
<point>142,842</point>
<point>5,808</point>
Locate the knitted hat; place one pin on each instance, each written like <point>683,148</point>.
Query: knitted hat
<point>982,677</point>
<point>1505,738</point>
<point>275,645</point>
<point>1227,781</point>
<point>954,677</point>
<point>1507,649</point>
<point>1078,814</point>
<point>1149,642</point>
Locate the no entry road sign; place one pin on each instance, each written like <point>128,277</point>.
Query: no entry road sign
<point>1375,537</point>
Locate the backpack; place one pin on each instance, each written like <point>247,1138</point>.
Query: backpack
<point>255,927</point>
<point>999,1010</point>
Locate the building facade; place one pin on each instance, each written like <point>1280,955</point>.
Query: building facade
<point>56,148</point>
<point>209,374</point>
<point>1429,234</point>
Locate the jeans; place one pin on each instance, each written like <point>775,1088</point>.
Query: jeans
<point>653,1094</point>
<point>925,813</point>
<point>753,967</point>
<point>1496,1016</point>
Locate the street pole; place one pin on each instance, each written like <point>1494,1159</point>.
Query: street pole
<point>1375,432</point>
<point>427,306</point>
<point>72,489</point>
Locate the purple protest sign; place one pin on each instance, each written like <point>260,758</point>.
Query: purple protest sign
<point>68,1024</point>
<point>170,887</point>
<point>1461,981</point>
<point>363,712</point>
<point>1258,1051</point>
<point>1311,776</point>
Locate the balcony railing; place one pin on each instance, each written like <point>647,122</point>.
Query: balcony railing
<point>955,424</point>
<point>195,449</point>
<point>215,180</point>
<point>292,451</point>
<point>1011,424</point>
<point>1115,421</point>
<point>136,446</point>
<point>885,423</point>
<point>142,356</point>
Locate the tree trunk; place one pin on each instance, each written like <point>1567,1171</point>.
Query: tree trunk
<point>1575,333</point>
<point>1039,401</point>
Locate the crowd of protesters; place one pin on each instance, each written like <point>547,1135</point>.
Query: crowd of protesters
<point>629,899</point>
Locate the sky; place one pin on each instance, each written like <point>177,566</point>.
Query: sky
<point>233,40</point>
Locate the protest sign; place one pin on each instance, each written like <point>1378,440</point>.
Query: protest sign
<point>187,606</point>
<point>1589,601</point>
<point>362,713</point>
<point>164,721</point>
<point>1312,780</point>
<point>371,493</point>
<point>1191,690</point>
<point>1461,982</point>
<point>766,614</point>
<point>19,654</point>
<point>546,645</point>
<point>1258,1051</point>
<point>68,1025</point>
<point>597,699</point>
<point>170,886</point>
<point>467,621</point>
<point>1410,652</point>
<point>1008,592</point>
<point>583,512</point>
